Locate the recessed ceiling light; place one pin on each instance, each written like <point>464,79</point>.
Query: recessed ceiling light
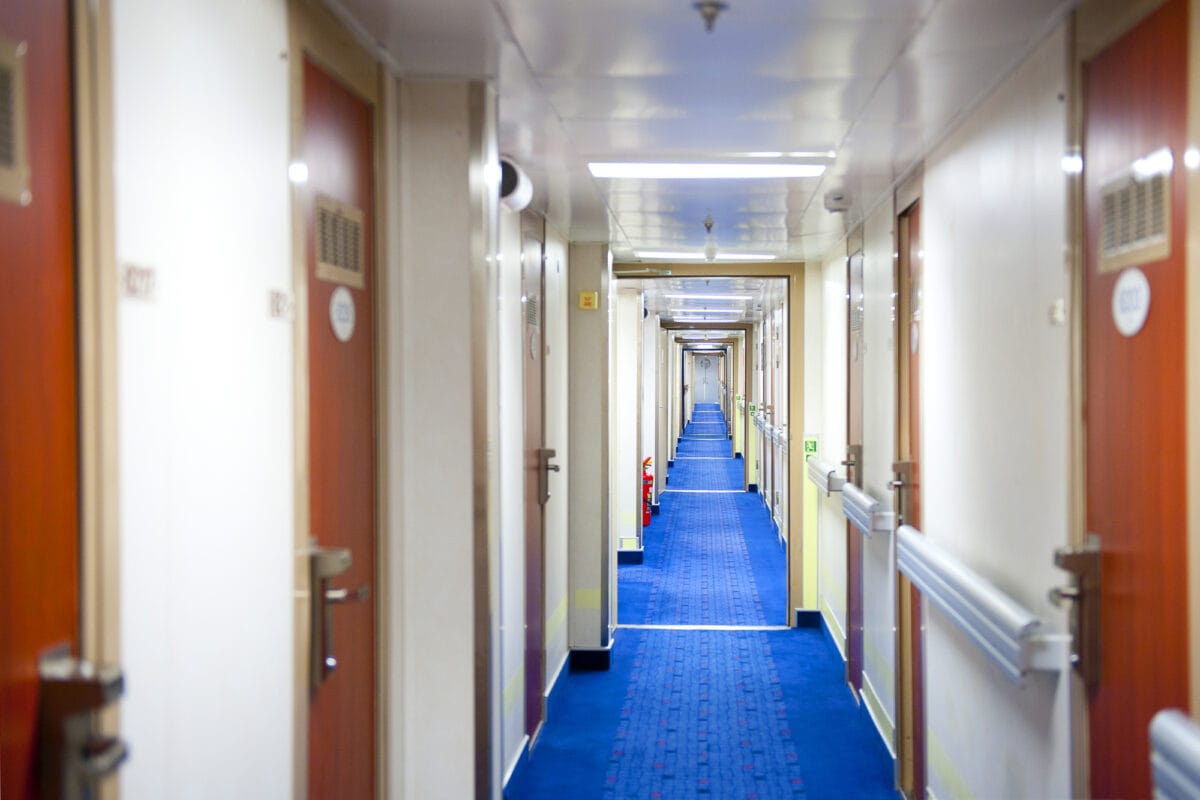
<point>708,296</point>
<point>706,311</point>
<point>685,255</point>
<point>693,171</point>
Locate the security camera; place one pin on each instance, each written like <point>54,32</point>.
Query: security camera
<point>516,190</point>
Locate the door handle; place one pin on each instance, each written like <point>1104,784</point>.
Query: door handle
<point>544,470</point>
<point>903,484</point>
<point>325,564</point>
<point>73,756</point>
<point>1083,593</point>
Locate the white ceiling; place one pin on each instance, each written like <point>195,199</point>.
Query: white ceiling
<point>877,82</point>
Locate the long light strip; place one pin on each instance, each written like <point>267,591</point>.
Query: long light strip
<point>722,321</point>
<point>701,171</point>
<point>688,255</point>
<point>709,296</point>
<point>705,311</point>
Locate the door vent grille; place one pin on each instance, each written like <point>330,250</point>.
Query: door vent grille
<point>14,166</point>
<point>1135,225</point>
<point>339,242</point>
<point>8,117</point>
<point>531,310</point>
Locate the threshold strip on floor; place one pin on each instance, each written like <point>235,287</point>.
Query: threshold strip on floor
<point>704,491</point>
<point>703,458</point>
<point>704,627</point>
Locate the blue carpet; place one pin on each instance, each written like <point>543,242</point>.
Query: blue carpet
<point>721,714</point>
<point>761,715</point>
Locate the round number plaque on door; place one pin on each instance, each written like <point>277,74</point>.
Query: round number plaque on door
<point>341,313</point>
<point>1131,301</point>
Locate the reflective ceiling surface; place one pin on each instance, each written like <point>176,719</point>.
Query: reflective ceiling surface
<point>864,87</point>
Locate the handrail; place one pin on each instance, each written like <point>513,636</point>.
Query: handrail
<point>824,476</point>
<point>863,510</point>
<point>1175,756</point>
<point>1007,632</point>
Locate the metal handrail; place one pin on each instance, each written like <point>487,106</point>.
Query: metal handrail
<point>824,476</point>
<point>863,510</point>
<point>1175,756</point>
<point>1007,632</point>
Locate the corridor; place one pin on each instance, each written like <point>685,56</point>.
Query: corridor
<point>709,693</point>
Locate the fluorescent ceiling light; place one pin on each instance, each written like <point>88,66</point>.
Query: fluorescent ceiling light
<point>669,254</point>
<point>685,318</point>
<point>745,256</point>
<point>708,296</point>
<point>793,154</point>
<point>737,312</point>
<point>664,171</point>
<point>685,255</point>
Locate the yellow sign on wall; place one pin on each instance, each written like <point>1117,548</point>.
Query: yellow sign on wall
<point>589,301</point>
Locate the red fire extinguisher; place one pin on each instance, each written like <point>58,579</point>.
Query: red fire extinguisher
<point>647,491</point>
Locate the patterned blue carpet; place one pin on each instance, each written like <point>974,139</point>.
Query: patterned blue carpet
<point>760,714</point>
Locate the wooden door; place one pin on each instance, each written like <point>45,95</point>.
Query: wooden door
<point>533,281</point>
<point>911,658</point>
<point>854,473</point>
<point>39,437</point>
<point>1135,405</point>
<point>339,207</point>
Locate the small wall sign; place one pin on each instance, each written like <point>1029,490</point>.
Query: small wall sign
<point>589,301</point>
<point>1131,301</point>
<point>341,313</point>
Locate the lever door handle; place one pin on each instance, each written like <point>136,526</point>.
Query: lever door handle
<point>343,596</point>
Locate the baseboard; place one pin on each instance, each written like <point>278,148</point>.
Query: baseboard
<point>666,480</point>
<point>670,463</point>
<point>515,775</point>
<point>655,509</point>
<point>753,488</point>
<point>808,618</point>
<point>591,660</point>
<point>631,556</point>
<point>833,630</point>
<point>737,455</point>
<point>878,714</point>
<point>554,693</point>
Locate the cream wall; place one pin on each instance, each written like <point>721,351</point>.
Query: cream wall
<point>442,294</point>
<point>510,341</point>
<point>831,324</point>
<point>649,418</point>
<point>201,131</point>
<point>994,384</point>
<point>625,403</point>
<point>590,548</point>
<point>879,448</point>
<point>557,415</point>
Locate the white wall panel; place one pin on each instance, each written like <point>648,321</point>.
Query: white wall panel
<point>557,412</point>
<point>205,398</point>
<point>995,420</point>
<point>832,441</point>
<point>879,447</point>
<point>510,340</point>
<point>625,402</point>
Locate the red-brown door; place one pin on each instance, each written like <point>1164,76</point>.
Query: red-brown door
<point>532,283</point>
<point>911,659</point>
<point>854,440</point>
<point>39,439</point>
<point>1135,412</point>
<point>339,206</point>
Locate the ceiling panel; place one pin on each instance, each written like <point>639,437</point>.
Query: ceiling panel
<point>877,81</point>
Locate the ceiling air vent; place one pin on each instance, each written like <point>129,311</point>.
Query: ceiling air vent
<point>14,169</point>
<point>339,242</point>
<point>1136,214</point>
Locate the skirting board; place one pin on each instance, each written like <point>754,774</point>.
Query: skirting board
<point>554,693</point>
<point>829,619</point>
<point>655,509</point>
<point>878,714</point>
<point>753,488</point>
<point>631,556</point>
<point>515,774</point>
<point>808,618</point>
<point>598,660</point>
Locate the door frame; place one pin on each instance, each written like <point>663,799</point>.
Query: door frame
<point>314,31</point>
<point>96,287</point>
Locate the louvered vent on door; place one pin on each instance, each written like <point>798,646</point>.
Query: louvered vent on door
<point>531,310</point>
<point>8,121</point>
<point>1135,225</point>
<point>339,242</point>
<point>14,169</point>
